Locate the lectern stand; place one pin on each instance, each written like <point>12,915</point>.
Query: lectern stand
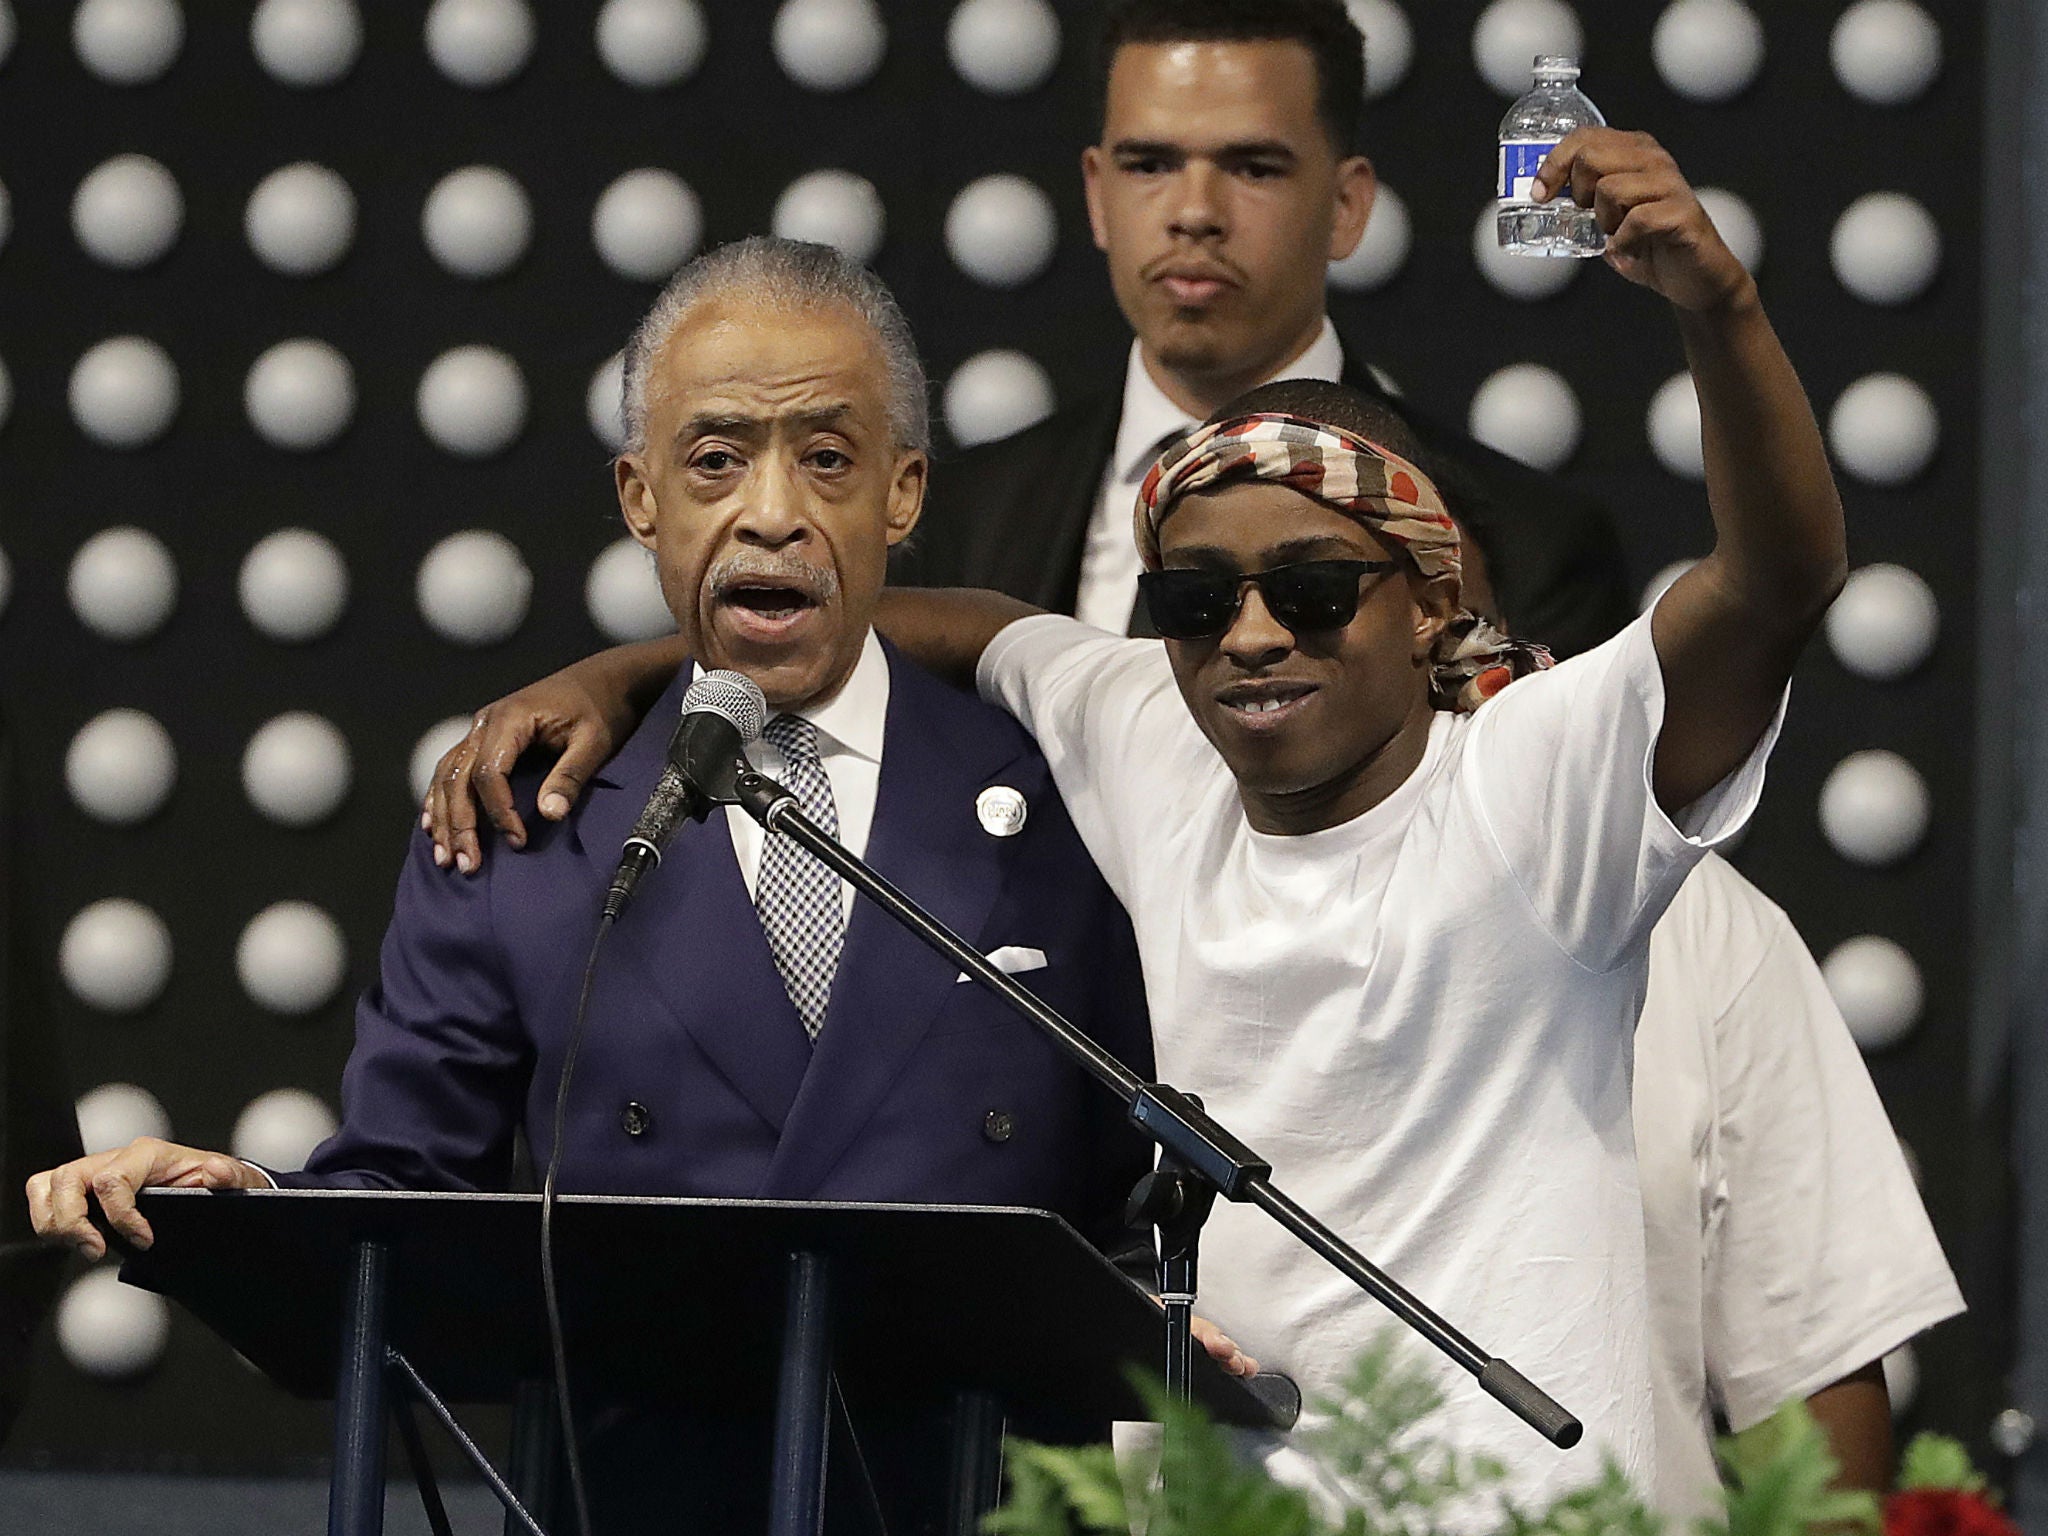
<point>384,1299</point>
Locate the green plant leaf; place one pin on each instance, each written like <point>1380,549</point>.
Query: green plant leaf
<point>1055,1491</point>
<point>1778,1477</point>
<point>1205,1488</point>
<point>1936,1461</point>
<point>1398,1477</point>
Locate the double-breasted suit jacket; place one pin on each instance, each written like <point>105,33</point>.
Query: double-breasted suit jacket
<point>695,1076</point>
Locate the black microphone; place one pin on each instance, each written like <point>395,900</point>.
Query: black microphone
<point>722,712</point>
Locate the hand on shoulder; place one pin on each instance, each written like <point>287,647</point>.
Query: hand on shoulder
<point>584,713</point>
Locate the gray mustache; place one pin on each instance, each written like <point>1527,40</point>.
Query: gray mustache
<point>745,568</point>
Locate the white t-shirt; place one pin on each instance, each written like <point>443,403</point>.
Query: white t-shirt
<point>1787,1245</point>
<point>1422,1017</point>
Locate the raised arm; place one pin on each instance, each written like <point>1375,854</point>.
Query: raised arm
<point>1728,632</point>
<point>585,712</point>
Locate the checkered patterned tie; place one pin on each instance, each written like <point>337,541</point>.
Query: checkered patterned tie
<point>797,897</point>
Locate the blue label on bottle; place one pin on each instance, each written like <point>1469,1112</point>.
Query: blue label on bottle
<point>1520,160</point>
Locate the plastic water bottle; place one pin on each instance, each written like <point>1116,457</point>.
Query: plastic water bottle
<point>1530,131</point>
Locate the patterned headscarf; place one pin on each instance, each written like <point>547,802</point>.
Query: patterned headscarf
<point>1473,660</point>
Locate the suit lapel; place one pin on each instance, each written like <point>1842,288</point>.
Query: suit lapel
<point>890,987</point>
<point>691,932</point>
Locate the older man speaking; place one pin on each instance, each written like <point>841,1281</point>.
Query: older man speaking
<point>752,1033</point>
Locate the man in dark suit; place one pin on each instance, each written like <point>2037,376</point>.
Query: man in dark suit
<point>1223,183</point>
<point>752,1032</point>
<point>700,1074</point>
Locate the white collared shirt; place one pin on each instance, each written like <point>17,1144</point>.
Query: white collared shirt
<point>1109,558</point>
<point>849,728</point>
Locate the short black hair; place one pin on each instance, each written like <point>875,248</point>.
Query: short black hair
<point>1323,27</point>
<point>1349,410</point>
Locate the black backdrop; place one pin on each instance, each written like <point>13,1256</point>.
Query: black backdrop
<point>1796,145</point>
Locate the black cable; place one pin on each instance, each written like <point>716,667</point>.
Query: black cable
<point>556,1345</point>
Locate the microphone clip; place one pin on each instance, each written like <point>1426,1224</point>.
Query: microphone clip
<point>760,796</point>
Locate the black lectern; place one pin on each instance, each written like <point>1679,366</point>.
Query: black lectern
<point>754,1304</point>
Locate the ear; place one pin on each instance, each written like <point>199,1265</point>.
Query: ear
<point>1092,167</point>
<point>1436,604</point>
<point>1357,186</point>
<point>906,496</point>
<point>636,497</point>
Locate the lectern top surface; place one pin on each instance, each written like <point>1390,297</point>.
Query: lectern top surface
<point>671,1298</point>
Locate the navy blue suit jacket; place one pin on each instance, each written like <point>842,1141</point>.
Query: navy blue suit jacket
<point>696,1077</point>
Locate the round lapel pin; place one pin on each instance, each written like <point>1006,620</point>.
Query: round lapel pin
<point>1002,810</point>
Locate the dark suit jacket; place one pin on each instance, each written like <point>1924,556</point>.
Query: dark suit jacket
<point>1013,515</point>
<point>461,1040</point>
<point>696,1077</point>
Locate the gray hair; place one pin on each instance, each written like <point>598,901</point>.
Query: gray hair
<point>796,274</point>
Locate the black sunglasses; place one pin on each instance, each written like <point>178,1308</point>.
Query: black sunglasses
<point>1308,596</point>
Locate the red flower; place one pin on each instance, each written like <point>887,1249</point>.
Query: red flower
<point>1944,1512</point>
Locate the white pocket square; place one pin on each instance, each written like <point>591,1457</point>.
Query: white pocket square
<point>1012,960</point>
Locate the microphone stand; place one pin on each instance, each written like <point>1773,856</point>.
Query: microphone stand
<point>1199,1158</point>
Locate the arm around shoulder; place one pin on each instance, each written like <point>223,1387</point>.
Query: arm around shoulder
<point>945,629</point>
<point>584,712</point>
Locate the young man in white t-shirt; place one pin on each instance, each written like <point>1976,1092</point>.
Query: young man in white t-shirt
<point>1400,948</point>
<point>1398,945</point>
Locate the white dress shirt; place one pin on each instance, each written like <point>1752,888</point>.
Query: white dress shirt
<point>849,726</point>
<point>1109,558</point>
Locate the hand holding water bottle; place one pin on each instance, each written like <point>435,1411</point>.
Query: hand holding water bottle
<point>1657,232</point>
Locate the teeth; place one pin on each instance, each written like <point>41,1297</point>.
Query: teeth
<point>1260,706</point>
